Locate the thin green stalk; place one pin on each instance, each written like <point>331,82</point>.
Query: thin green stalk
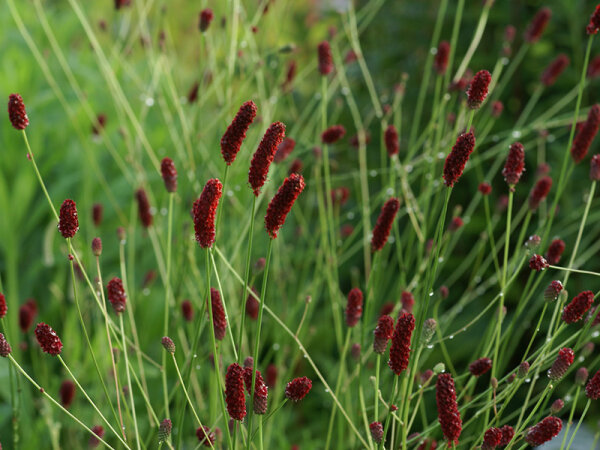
<point>43,391</point>
<point>393,402</point>
<point>570,421</point>
<point>167,304</point>
<point>565,161</point>
<point>587,406</point>
<point>186,393</point>
<point>39,176</point>
<point>104,310</point>
<point>215,352</point>
<point>424,84</point>
<point>376,406</point>
<point>263,293</point>
<point>580,232</point>
<point>338,385</point>
<point>133,413</point>
<point>246,277</point>
<point>91,401</point>
<point>87,338</point>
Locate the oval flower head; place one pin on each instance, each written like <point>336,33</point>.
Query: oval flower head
<point>281,204</point>
<point>205,211</point>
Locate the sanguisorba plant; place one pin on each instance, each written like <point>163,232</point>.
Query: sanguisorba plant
<point>453,244</point>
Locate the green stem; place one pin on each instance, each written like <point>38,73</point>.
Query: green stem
<point>258,330</point>
<point>167,304</point>
<point>587,406</point>
<point>186,393</point>
<point>39,176</point>
<point>338,385</point>
<point>91,401</point>
<point>246,277</point>
<point>570,421</point>
<point>132,402</point>
<point>43,391</point>
<point>215,353</point>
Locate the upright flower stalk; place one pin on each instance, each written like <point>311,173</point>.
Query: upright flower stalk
<point>277,211</point>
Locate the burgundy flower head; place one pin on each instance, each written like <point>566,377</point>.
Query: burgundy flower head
<point>284,149</point>
<point>205,436</point>
<point>281,204</point>
<point>99,433</point>
<point>193,93</point>
<point>5,349</point>
<point>231,142</point>
<point>16,112</point>
<point>218,314</point>
<point>515,164</point>
<point>448,414</point>
<point>376,432</point>
<point>575,310</point>
<point>116,294</point>
<point>491,438</point>
<point>3,307</point>
<point>383,226</point>
<point>252,305</point>
<point>383,333</point>
<point>440,62</point>
<point>143,207</point>
<point>581,376</point>
<point>297,389</point>
<point>556,406</point>
<point>354,307</point>
<point>485,188</point>
<point>296,166</point>
<point>478,89</point>
<point>458,157</point>
<point>538,263</point>
<point>206,17</point>
<point>169,174</point>
<point>554,69</point>
<point>507,434</point>
<point>408,301</point>
<point>586,134</point>
<point>544,431</point>
<point>67,393</point>
<point>497,108</point>
<point>168,344</point>
<point>234,392</point>
<point>400,349</point>
<point>27,313</point>
<point>555,251</point>
<point>271,375</point>
<point>333,134</point>
<point>187,310</point>
<point>391,140</point>
<point>121,4</point>
<point>480,366</point>
<point>48,339</point>
<point>552,291</point>
<point>97,210</point>
<point>539,192</point>
<point>204,210</point>
<point>595,167</point>
<point>592,389</point>
<point>164,430</point>
<point>538,25</point>
<point>263,157</point>
<point>593,70</point>
<point>455,224</point>
<point>594,24</point>
<point>261,391</point>
<point>68,222</point>
<point>325,58</point>
<point>561,364</point>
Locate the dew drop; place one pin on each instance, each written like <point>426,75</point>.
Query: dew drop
<point>433,51</point>
<point>451,336</point>
<point>373,173</point>
<point>431,294</point>
<point>430,346</point>
<point>596,334</point>
<point>516,134</point>
<point>149,101</point>
<point>409,168</point>
<point>276,346</point>
<point>504,61</point>
<point>527,380</point>
<point>441,259</point>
